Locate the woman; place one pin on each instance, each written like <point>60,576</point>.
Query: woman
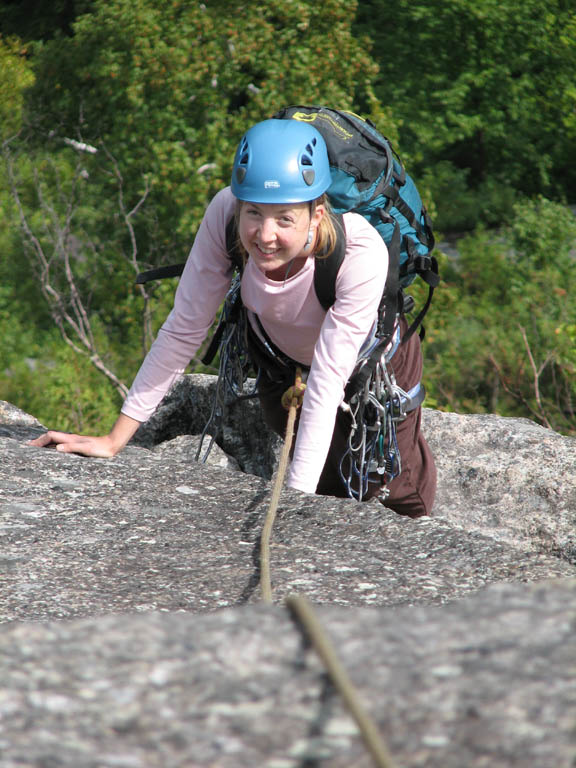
<point>279,180</point>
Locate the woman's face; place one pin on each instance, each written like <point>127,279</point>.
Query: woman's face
<point>275,235</point>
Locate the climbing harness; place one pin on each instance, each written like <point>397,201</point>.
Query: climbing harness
<point>374,401</point>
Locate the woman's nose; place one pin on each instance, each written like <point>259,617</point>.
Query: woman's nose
<point>268,230</point>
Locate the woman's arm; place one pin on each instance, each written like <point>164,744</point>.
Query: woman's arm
<point>359,286</point>
<point>202,288</point>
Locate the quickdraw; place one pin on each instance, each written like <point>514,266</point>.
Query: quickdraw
<point>375,410</point>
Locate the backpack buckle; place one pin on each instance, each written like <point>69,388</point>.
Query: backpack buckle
<point>422,263</point>
<point>408,303</point>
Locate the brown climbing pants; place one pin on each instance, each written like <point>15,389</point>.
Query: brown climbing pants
<point>412,492</point>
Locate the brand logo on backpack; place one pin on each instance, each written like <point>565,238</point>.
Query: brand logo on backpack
<point>317,117</point>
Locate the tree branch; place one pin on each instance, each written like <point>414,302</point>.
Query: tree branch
<point>540,412</point>
<point>536,372</point>
<point>147,334</point>
<point>74,326</point>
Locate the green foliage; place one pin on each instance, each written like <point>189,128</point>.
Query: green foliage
<point>61,389</point>
<point>500,336</point>
<point>486,88</point>
<point>131,126</point>
<point>46,378</point>
<point>457,205</point>
<point>15,77</point>
<point>169,87</point>
<point>39,20</point>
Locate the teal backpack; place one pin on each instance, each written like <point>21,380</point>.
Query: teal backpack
<point>368,178</point>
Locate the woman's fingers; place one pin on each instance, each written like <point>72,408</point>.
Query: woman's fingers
<point>52,438</point>
<point>97,447</point>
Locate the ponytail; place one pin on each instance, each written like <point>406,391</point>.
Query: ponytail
<point>327,231</point>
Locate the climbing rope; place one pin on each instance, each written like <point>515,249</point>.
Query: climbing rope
<point>302,609</point>
<point>294,400</point>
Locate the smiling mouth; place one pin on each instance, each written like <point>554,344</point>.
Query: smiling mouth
<point>267,251</point>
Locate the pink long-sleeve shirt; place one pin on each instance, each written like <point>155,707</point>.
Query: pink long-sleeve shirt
<point>292,317</point>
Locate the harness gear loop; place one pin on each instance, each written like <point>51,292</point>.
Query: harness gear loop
<point>265,581</point>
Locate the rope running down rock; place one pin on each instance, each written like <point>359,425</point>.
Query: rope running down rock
<point>301,608</point>
<point>297,392</point>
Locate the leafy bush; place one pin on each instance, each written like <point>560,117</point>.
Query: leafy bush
<point>500,335</point>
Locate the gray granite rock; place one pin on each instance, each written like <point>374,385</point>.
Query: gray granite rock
<point>12,416</point>
<point>157,531</point>
<point>243,434</point>
<point>134,635</point>
<point>507,478</point>
<point>486,681</point>
<point>194,448</point>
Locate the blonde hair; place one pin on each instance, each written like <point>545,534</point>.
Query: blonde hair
<point>326,232</point>
<point>238,246</point>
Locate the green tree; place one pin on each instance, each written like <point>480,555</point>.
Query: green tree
<point>486,89</point>
<point>500,336</point>
<point>131,128</point>
<point>168,88</point>
<point>37,19</point>
<point>15,77</point>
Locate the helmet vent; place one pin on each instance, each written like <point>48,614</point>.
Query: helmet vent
<point>309,177</point>
<point>306,160</point>
<point>240,174</point>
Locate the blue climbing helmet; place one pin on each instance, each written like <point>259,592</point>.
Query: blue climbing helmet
<point>281,161</point>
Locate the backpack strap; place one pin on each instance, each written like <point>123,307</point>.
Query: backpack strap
<point>237,258</point>
<point>233,246</point>
<point>326,268</point>
<point>159,273</point>
<point>432,278</point>
<point>175,270</point>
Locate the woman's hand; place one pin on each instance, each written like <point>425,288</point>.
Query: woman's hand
<point>98,447</point>
<point>103,447</point>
